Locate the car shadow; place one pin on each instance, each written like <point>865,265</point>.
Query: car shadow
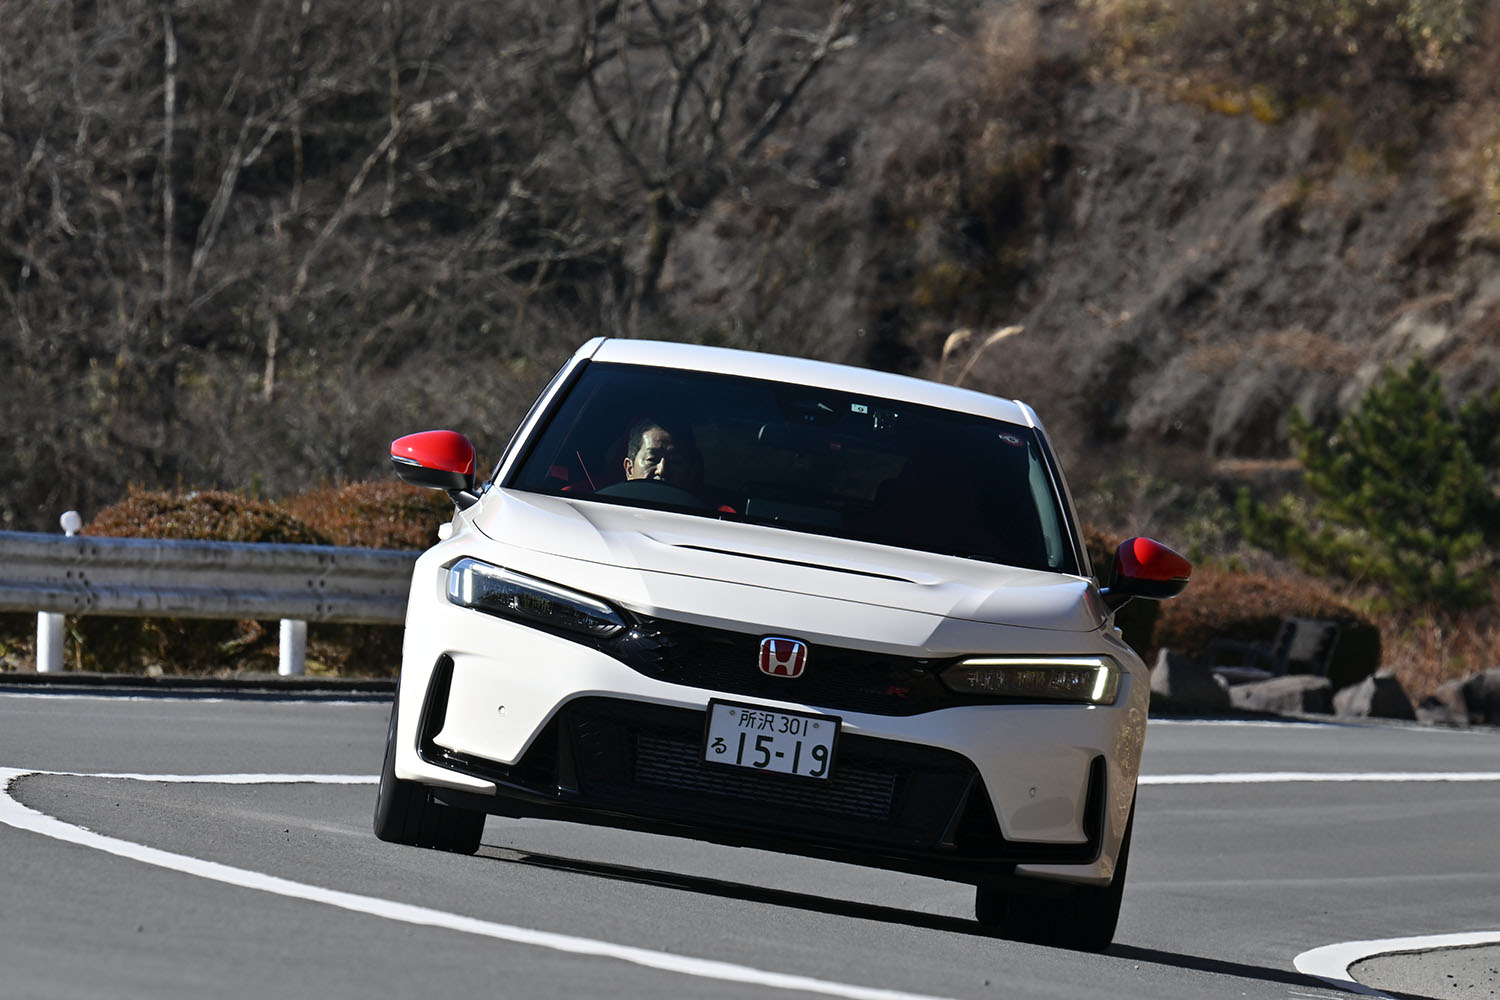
<point>725,889</point>
<point>1222,967</point>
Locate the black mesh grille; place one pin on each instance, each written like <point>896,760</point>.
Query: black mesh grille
<point>646,759</point>
<point>664,762</point>
<point>835,678</point>
<point>638,765</point>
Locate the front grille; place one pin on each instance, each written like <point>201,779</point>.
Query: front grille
<point>836,678</point>
<point>640,764</point>
<point>645,759</point>
<point>666,762</point>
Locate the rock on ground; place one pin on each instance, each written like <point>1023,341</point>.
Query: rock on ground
<point>1380,696</point>
<point>1295,694</point>
<point>1184,683</point>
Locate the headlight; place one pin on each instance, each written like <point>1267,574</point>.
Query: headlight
<point>497,591</point>
<point>1092,679</point>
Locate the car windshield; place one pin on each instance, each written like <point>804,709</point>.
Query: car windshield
<point>802,458</point>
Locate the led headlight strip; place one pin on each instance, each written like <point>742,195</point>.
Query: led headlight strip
<point>1091,679</point>
<point>499,591</point>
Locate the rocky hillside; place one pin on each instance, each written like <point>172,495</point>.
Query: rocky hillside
<point>247,250</point>
<point>1193,239</point>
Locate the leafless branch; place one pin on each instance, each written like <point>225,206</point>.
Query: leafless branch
<point>744,31</point>
<point>815,60</point>
<point>416,114</point>
<point>684,71</point>
<point>169,134</point>
<point>209,231</point>
<point>589,69</point>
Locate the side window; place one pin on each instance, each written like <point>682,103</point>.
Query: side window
<point>1046,505</point>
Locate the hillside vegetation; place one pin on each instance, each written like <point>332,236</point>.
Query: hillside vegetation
<point>243,246</point>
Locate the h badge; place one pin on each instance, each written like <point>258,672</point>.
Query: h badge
<point>782,657</point>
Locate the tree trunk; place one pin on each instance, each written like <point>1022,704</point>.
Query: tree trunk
<point>169,132</point>
<point>658,242</point>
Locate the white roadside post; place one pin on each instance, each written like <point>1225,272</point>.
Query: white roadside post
<point>49,624</point>
<point>293,648</point>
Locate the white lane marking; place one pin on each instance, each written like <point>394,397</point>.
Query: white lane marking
<point>23,817</point>
<point>204,699</point>
<point>1331,963</point>
<point>1252,723</point>
<point>1279,777</point>
<point>218,779</point>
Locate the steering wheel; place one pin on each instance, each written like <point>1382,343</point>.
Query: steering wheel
<point>652,491</point>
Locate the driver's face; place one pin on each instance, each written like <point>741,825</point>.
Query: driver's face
<point>657,458</point>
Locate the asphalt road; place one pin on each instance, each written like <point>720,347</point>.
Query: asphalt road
<point>1255,843</point>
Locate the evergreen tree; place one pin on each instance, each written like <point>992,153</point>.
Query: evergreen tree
<point>1401,493</point>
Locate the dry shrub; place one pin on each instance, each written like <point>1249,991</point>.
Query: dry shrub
<point>1249,607</point>
<point>133,645</point>
<point>207,515</point>
<point>382,515</point>
<point>379,514</point>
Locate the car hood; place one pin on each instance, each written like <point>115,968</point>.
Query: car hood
<point>795,563</point>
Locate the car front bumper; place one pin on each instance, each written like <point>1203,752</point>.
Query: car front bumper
<point>500,716</point>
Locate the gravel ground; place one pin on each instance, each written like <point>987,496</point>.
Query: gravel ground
<point>1444,973</point>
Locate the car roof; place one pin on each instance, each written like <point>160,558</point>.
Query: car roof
<point>801,371</point>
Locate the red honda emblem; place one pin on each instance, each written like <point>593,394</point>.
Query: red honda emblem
<point>783,657</point>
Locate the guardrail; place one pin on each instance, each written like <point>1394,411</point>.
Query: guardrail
<point>57,575</point>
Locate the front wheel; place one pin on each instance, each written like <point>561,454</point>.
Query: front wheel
<point>1079,917</point>
<point>405,815</point>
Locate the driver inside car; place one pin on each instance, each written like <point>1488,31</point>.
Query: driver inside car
<point>664,451</point>
<point>660,450</point>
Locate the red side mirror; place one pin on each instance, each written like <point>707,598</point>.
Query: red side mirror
<point>440,460</point>
<point>1146,568</point>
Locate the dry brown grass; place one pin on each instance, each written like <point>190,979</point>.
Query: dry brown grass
<point>1427,648</point>
<point>1296,348</point>
<point>1473,159</point>
<point>1306,350</point>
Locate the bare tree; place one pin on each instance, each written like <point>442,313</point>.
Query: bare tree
<point>686,94</point>
<point>225,227</point>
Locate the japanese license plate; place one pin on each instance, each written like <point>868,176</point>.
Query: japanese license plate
<point>768,739</point>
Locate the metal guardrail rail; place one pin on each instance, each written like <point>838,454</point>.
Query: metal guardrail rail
<point>87,575</point>
<point>59,575</point>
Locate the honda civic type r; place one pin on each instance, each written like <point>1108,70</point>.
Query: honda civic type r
<point>782,604</point>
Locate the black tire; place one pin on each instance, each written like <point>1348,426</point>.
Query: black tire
<point>1077,917</point>
<point>405,815</point>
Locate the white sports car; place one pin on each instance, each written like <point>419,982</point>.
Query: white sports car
<point>781,604</point>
